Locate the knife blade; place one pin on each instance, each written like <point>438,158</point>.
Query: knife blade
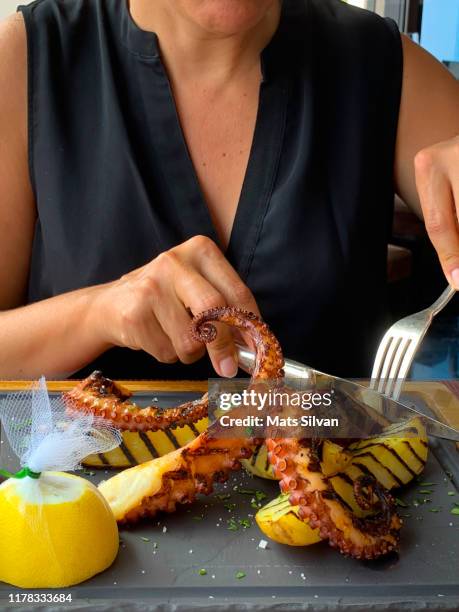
<point>390,410</point>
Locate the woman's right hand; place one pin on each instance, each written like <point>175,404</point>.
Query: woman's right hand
<point>149,308</point>
<point>146,309</point>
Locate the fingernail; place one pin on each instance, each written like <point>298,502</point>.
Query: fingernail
<point>455,278</point>
<point>228,367</point>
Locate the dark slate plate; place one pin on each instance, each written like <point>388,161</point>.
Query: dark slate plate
<point>161,571</point>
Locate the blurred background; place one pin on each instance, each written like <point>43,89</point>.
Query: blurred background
<point>9,6</point>
<point>415,279</point>
<point>432,23</point>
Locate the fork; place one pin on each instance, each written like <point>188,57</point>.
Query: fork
<point>399,345</point>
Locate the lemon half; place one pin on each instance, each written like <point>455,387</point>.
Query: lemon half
<point>55,531</point>
<point>279,521</point>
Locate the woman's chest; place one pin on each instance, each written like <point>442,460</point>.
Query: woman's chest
<point>218,130</point>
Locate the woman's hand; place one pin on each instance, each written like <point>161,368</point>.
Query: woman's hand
<point>429,114</point>
<point>437,181</point>
<point>149,308</point>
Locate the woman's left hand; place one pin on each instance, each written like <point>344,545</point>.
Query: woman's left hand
<point>437,181</point>
<point>428,133</point>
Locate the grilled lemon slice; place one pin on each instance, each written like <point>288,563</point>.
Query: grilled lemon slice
<point>279,521</point>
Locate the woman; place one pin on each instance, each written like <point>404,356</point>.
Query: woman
<point>160,158</point>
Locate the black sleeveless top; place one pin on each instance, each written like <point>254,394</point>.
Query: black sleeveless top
<point>115,186</point>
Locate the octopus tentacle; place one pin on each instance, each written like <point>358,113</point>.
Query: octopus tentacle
<point>371,496</point>
<point>175,478</point>
<point>269,361</point>
<point>161,484</point>
<point>109,400</point>
<point>295,463</point>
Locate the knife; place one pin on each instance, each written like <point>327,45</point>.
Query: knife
<point>390,410</point>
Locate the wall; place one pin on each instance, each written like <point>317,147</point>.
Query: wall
<point>9,6</point>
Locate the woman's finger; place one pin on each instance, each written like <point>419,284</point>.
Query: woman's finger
<point>175,320</point>
<point>155,341</point>
<point>213,265</point>
<point>454,181</point>
<point>197,294</point>
<point>439,210</point>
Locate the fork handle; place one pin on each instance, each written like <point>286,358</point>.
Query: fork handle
<point>442,300</point>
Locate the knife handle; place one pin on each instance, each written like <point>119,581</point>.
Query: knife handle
<point>292,369</point>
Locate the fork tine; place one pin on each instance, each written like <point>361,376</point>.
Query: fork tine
<point>399,345</point>
<point>388,360</point>
<point>399,360</point>
<point>406,365</point>
<point>380,358</point>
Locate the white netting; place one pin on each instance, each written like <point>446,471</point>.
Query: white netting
<point>47,437</point>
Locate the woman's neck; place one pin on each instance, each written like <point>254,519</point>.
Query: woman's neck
<point>193,52</point>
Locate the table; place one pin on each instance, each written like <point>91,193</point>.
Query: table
<point>425,574</point>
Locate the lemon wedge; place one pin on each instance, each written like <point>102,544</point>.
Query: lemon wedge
<point>55,531</point>
<point>279,521</point>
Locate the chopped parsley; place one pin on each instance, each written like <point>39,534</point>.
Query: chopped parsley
<point>232,525</point>
<point>223,496</point>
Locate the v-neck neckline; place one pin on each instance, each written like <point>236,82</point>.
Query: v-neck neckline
<point>177,167</point>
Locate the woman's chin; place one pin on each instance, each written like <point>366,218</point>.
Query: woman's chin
<point>227,17</point>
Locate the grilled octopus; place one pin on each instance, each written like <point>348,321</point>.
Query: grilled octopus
<point>161,484</point>
<point>297,465</point>
<point>111,401</point>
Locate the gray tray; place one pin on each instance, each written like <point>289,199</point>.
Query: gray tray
<point>165,575</point>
